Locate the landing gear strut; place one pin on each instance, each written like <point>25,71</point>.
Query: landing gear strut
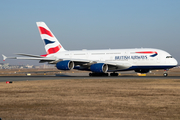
<point>165,74</point>
<point>98,74</point>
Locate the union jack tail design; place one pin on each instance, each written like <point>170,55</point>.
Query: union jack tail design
<point>52,45</point>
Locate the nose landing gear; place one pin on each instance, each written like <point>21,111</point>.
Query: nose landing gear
<point>165,74</point>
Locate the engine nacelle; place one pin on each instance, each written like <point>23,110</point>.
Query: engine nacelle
<point>99,68</point>
<point>142,70</point>
<point>65,65</point>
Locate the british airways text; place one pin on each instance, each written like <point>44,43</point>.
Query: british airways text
<point>130,57</point>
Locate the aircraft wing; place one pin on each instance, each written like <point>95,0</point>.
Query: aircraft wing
<point>112,65</point>
<point>51,60</point>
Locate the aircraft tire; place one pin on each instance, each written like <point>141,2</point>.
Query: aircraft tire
<point>165,74</point>
<point>90,74</point>
<point>114,74</point>
<point>98,74</point>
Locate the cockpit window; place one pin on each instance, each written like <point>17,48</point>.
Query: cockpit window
<point>168,56</point>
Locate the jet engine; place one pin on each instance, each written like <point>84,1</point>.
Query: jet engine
<point>65,65</point>
<point>99,68</point>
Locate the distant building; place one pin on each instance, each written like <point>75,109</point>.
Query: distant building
<point>7,66</point>
<point>4,65</point>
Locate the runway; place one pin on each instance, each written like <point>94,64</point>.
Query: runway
<point>33,78</point>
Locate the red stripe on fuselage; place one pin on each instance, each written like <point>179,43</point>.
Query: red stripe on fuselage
<point>147,52</point>
<point>44,31</point>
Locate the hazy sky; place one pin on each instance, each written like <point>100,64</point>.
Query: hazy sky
<point>90,24</point>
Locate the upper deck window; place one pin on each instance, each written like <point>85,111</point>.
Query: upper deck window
<point>97,53</point>
<point>168,56</point>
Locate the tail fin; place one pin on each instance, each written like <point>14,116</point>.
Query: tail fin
<point>52,45</point>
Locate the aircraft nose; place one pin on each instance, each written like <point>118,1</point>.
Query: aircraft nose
<point>175,62</point>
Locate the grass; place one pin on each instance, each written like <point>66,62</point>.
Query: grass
<point>83,99</point>
<point>53,71</point>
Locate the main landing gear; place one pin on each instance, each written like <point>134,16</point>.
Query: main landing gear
<point>165,74</point>
<point>103,74</point>
<point>114,74</point>
<point>98,74</point>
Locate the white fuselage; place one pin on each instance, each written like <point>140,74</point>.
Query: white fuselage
<point>126,56</point>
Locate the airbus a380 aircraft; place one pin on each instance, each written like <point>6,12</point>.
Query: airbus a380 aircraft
<point>100,62</point>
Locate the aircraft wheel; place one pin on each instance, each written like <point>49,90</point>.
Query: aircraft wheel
<point>98,74</point>
<point>90,74</point>
<point>106,74</point>
<point>114,74</point>
<point>165,74</point>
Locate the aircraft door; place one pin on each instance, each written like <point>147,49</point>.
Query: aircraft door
<point>87,55</point>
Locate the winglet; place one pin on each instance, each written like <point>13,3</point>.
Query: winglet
<point>4,57</point>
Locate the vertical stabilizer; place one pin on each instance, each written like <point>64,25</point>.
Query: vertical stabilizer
<point>52,45</point>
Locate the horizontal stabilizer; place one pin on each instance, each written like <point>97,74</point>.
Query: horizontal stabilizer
<point>35,58</point>
<point>4,57</point>
<point>29,55</point>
